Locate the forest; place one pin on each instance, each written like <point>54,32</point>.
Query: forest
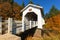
<point>9,8</point>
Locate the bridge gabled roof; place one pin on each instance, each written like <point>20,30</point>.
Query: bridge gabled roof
<point>31,5</point>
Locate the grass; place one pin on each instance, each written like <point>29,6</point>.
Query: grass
<point>53,37</point>
<point>46,38</point>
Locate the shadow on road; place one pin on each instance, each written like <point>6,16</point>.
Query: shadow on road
<point>27,33</point>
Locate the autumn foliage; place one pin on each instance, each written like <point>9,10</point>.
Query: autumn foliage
<point>10,10</point>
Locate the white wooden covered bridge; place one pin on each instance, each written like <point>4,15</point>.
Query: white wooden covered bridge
<point>31,17</point>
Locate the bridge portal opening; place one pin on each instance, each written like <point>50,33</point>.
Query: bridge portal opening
<point>30,20</point>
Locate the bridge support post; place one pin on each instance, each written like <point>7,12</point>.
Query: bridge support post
<point>23,24</point>
<point>30,24</point>
<point>10,24</point>
<point>0,25</point>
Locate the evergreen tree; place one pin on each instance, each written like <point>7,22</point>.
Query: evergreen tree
<point>11,1</point>
<point>31,2</point>
<point>53,11</point>
<point>23,5</point>
<point>47,15</point>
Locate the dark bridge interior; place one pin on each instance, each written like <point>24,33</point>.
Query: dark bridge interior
<point>31,16</point>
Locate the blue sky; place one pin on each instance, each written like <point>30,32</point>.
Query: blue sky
<point>46,4</point>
